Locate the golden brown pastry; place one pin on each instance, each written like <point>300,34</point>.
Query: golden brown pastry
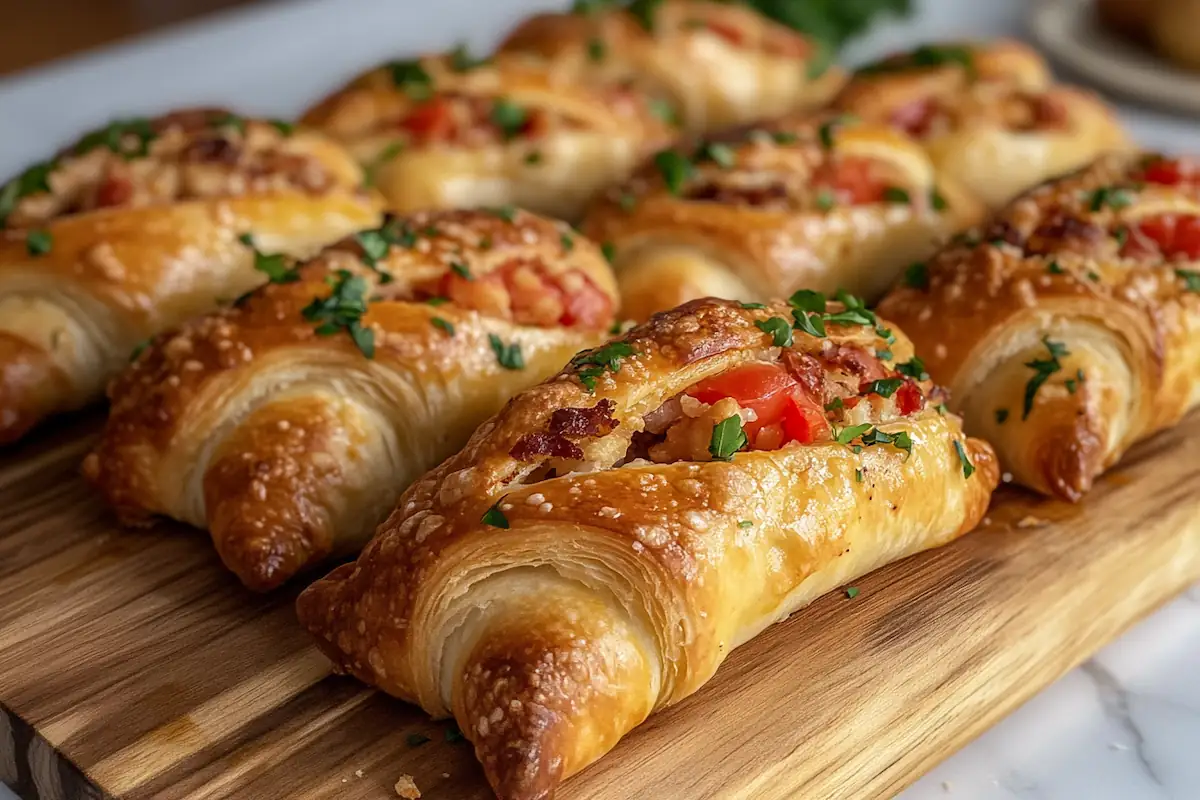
<point>450,131</point>
<point>719,64</point>
<point>601,545</point>
<point>819,203</point>
<point>988,114</point>
<point>289,424</point>
<point>1071,328</point>
<point>135,228</point>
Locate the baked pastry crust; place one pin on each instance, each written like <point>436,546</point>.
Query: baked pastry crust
<point>720,64</point>
<point>989,114</point>
<point>135,228</point>
<point>820,202</point>
<point>551,615</point>
<point>1070,327</point>
<point>286,441</point>
<point>446,132</point>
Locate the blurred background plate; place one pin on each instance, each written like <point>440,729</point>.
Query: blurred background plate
<point>1069,31</point>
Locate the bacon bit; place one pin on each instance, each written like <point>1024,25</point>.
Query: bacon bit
<point>576,423</point>
<point>114,191</point>
<point>766,195</point>
<point>807,371</point>
<point>1004,231</point>
<point>1049,111</point>
<point>856,361</point>
<point>212,150</point>
<point>915,118</point>
<point>1065,231</point>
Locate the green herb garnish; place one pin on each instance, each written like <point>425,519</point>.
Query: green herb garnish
<point>1190,278</point>
<point>1112,197</point>
<point>1042,370</point>
<point>594,363</point>
<point>1001,416</point>
<point>444,325</point>
<point>967,467</point>
<point>894,194</point>
<point>411,78</point>
<point>274,266</point>
<point>675,169</point>
<point>917,275</point>
<point>509,356</point>
<point>852,591</point>
<point>39,243</point>
<point>727,438</point>
<point>779,329</point>
<point>885,387</point>
<point>913,368</point>
<point>343,310</point>
<point>494,517</point>
<point>509,117</point>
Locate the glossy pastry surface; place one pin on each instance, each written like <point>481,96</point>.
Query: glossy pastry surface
<point>1069,328</point>
<point>989,114</point>
<point>288,424</point>
<point>817,202</point>
<point>136,227</point>
<point>599,546</point>
<point>454,131</point>
<point>720,64</point>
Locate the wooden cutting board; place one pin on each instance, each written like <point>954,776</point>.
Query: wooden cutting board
<point>133,666</point>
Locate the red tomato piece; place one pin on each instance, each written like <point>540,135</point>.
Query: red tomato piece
<point>758,386</point>
<point>1187,237</point>
<point>915,117</point>
<point>587,308</point>
<point>114,191</point>
<point>1174,236</point>
<point>432,121</point>
<point>803,420</point>
<point>853,180</point>
<point>1171,171</point>
<point>909,399</point>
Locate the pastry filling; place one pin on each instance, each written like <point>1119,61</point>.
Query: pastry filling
<point>1017,111</point>
<point>526,293</point>
<point>805,398</point>
<point>184,156</point>
<point>1171,171</point>
<point>1169,237</point>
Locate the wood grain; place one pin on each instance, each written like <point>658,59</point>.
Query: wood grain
<point>132,665</point>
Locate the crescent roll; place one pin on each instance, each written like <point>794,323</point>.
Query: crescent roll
<point>1071,328</point>
<point>987,113</point>
<point>289,424</point>
<point>135,228</point>
<point>450,131</point>
<point>602,544</point>
<point>819,203</point>
<point>719,64</point>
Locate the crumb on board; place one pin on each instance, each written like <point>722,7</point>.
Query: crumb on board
<point>1030,521</point>
<point>445,774</point>
<point>407,788</point>
<point>946,787</point>
<point>358,773</point>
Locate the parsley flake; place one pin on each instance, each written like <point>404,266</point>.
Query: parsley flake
<point>494,517</point>
<point>913,368</point>
<point>533,157</point>
<point>453,735</point>
<point>937,200</point>
<point>567,242</point>
<point>509,117</point>
<point>627,201</point>
<point>745,523</point>
<point>1001,416</point>
<point>675,170</point>
<point>343,310</point>
<point>718,152</point>
<point>858,475</point>
<point>885,387</point>
<point>596,49</point>
<point>444,325</point>
<point>118,135</point>
<point>461,59</point>
<point>1109,196</point>
<point>664,110</point>
<point>852,591</point>
<point>461,270</point>
<point>917,275</point>
<point>595,362</point>
<point>33,180</point>
<point>1042,370</point>
<point>848,435</point>
<point>506,213</point>
<point>1190,278</point>
<point>894,194</point>
<point>644,12</point>
<point>753,306</point>
<point>274,266</point>
<point>39,243</point>
<point>411,79</point>
<point>284,127</point>
<point>967,467</point>
<point>826,199</point>
<point>779,328</point>
<point>727,438</point>
<point>508,355</point>
<point>609,251</point>
<point>1054,268</point>
<point>371,168</point>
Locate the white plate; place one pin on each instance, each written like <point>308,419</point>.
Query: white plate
<point>1069,31</point>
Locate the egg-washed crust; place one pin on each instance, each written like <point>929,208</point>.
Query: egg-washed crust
<point>685,51</point>
<point>1058,255</point>
<point>989,113</point>
<point>691,540</point>
<point>83,286</point>
<point>756,213</point>
<point>535,136</point>
<point>193,387</point>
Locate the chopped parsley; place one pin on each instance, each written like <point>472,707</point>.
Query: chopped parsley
<point>967,467</point>
<point>675,169</point>
<point>1093,276</point>
<point>1054,268</point>
<point>375,246</point>
<point>825,133</point>
<point>1043,368</point>
<point>745,523</point>
<point>808,300</point>
<point>894,194</point>
<point>567,242</point>
<point>342,311</point>
<point>274,266</point>
<point>416,739</point>
<point>138,349</point>
<point>509,117</point>
<point>913,368</point>
<point>1001,416</point>
<point>925,56</point>
<point>899,440</point>
<point>941,409</point>
<point>609,251</point>
<point>664,111</point>
<point>885,387</point>
<point>494,517</point>
<point>858,475</point>
<point>753,306</point>
<point>852,591</point>
<point>453,735</point>
<point>848,435</point>
<point>826,199</point>
<point>727,438</point>
<point>371,168</point>
<point>835,404</point>
<point>444,325</point>
<point>884,355</point>
<point>116,136</point>
<point>284,127</point>
<point>917,275</point>
<point>508,355</point>
<point>437,301</point>
<point>718,152</point>
<point>533,157</point>
<point>1112,197</point>
<point>461,270</point>
<point>1190,278</point>
<point>1073,383</point>
<point>39,243</point>
<point>779,328</point>
<point>595,362</point>
<point>596,49</point>
<point>233,122</point>
<point>590,6</point>
<point>461,59</point>
<point>412,79</point>
<point>937,200</point>
<point>506,213</point>
<point>1121,234</point>
<point>33,180</point>
<point>627,201</point>
<point>644,12</point>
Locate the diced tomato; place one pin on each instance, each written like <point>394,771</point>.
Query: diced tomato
<point>432,121</point>
<point>853,180</point>
<point>1173,235</point>
<point>803,420</point>
<point>587,307</point>
<point>529,295</point>
<point>114,191</point>
<point>909,399</point>
<point>1171,171</point>
<point>914,118</point>
<point>758,386</point>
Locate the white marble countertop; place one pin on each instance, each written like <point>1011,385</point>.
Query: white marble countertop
<point>1124,726</point>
